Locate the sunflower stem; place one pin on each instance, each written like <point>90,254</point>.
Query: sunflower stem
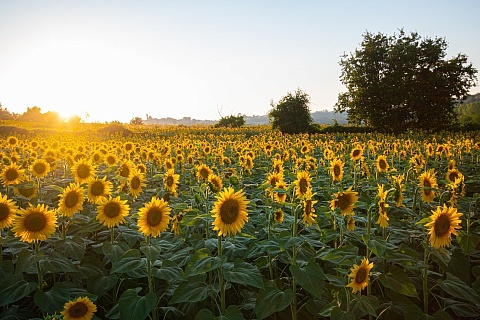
<point>112,236</point>
<point>294,262</point>
<point>220,278</point>
<point>425,280</point>
<point>415,196</point>
<point>39,269</point>
<point>151,289</point>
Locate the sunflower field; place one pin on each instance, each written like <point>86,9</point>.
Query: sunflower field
<point>215,223</point>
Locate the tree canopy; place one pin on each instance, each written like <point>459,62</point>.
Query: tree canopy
<point>403,82</point>
<point>292,113</point>
<point>231,121</point>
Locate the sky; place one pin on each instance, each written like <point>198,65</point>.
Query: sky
<point>107,60</point>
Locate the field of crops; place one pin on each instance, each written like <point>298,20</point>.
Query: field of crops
<point>204,223</point>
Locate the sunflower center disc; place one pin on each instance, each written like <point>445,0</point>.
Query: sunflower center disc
<point>39,168</point>
<point>4,211</point>
<point>112,210</point>
<point>71,200</point>
<point>36,221</point>
<point>78,310</point>
<point>229,211</point>
<point>382,164</point>
<point>97,188</point>
<point>83,171</point>
<point>303,186</point>
<point>11,174</point>
<point>170,181</point>
<point>154,217</point>
<point>336,170</point>
<point>135,183</point>
<point>361,275</point>
<point>442,225</point>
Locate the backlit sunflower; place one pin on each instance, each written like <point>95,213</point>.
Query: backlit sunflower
<point>170,181</point>
<point>34,223</point>
<point>230,212</point>
<point>452,175</point>
<point>40,168</point>
<point>12,141</point>
<point>428,182</point>
<point>302,183</point>
<point>154,217</point>
<point>280,197</point>
<point>12,175</point>
<point>110,159</point>
<point>83,171</point>
<point>382,207</point>
<point>360,275</point>
<point>80,309</point>
<point>203,172</point>
<point>125,169</point>
<point>71,200</point>
<point>336,170</point>
<point>28,191</point>
<point>215,182</point>
<point>308,209</point>
<point>135,183</point>
<point>381,163</point>
<point>445,221</point>
<point>344,200</point>
<point>99,189</point>
<point>112,211</point>
<point>278,215</point>
<point>8,210</point>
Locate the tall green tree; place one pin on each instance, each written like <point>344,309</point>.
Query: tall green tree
<point>231,121</point>
<point>292,113</point>
<point>469,113</point>
<point>403,82</point>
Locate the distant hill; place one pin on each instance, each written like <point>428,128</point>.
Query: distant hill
<point>319,117</point>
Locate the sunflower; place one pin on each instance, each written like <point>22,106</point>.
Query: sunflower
<point>273,179</point>
<point>302,183</point>
<point>336,170</point>
<point>280,197</point>
<point>80,309</point>
<point>230,212</point>
<point>350,223</point>
<point>35,223</point>
<point>308,209</point>
<point>215,182</point>
<point>12,175</point>
<point>170,181</point>
<point>83,171</point>
<point>110,159</point>
<point>445,221</point>
<point>452,175</point>
<point>428,182</point>
<point>399,187</point>
<point>154,217</point>
<point>360,275</point>
<point>12,141</point>
<point>381,163</point>
<point>99,189</point>
<point>277,166</point>
<point>40,168</point>
<point>112,211</point>
<point>8,210</point>
<point>356,153</point>
<point>135,183</point>
<point>278,215</point>
<point>125,169</point>
<point>203,172</point>
<point>344,200</point>
<point>71,200</point>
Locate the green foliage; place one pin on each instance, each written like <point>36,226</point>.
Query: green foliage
<point>136,121</point>
<point>469,113</point>
<point>403,82</point>
<point>292,113</point>
<point>34,114</point>
<point>231,121</point>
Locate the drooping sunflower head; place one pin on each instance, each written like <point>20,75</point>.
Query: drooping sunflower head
<point>277,166</point>
<point>170,181</point>
<point>83,171</point>
<point>308,209</point>
<point>203,171</point>
<point>8,210</point>
<point>125,169</point>
<point>27,190</point>
<point>215,182</point>
<point>99,189</point>
<point>230,212</point>
<point>452,175</point>
<point>344,200</point>
<point>280,196</point>
<point>112,211</point>
<point>71,200</point>
<point>12,174</point>
<point>444,222</point>
<point>35,223</point>
<point>381,163</point>
<point>302,183</point>
<point>336,170</point>
<point>80,309</point>
<point>360,275</point>
<point>427,183</point>
<point>278,215</point>
<point>350,223</point>
<point>154,217</point>
<point>40,168</point>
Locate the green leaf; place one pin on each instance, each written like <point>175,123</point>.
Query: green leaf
<point>272,299</point>
<point>365,305</point>
<point>378,246</point>
<point>397,280</point>
<point>131,236</point>
<point>202,262</point>
<point>52,301</point>
<point>441,256</point>
<point>6,270</point>
<point>190,291</point>
<point>458,289</point>
<point>169,272</point>
<point>129,261</point>
<point>57,263</point>
<point>346,255</point>
<point>133,306</point>
<point>26,260</point>
<point>310,277</point>
<point>232,313</point>
<point>468,242</point>
<point>244,273</point>
<point>73,248</point>
<point>261,247</point>
<point>151,252</point>
<point>204,314</point>
<point>14,289</point>
<point>115,251</point>
<point>101,284</point>
<point>339,314</point>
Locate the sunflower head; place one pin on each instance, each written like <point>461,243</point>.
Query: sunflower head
<point>40,168</point>
<point>278,215</point>
<point>80,309</point>
<point>302,183</point>
<point>360,275</point>
<point>71,200</point>
<point>356,153</point>
<point>344,200</point>
<point>12,174</point>
<point>428,182</point>
<point>135,183</point>
<point>99,189</point>
<point>215,182</point>
<point>452,175</point>
<point>203,172</point>
<point>381,163</point>
<point>230,212</point>
<point>336,170</point>
<point>170,181</point>
<point>8,210</point>
<point>35,223</point>
<point>83,171</point>
<point>444,222</point>
<point>112,212</point>
<point>308,209</point>
<point>154,217</point>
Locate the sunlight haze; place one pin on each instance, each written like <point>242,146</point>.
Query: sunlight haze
<point>116,60</point>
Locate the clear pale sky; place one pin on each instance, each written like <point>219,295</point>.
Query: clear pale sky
<point>115,60</point>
